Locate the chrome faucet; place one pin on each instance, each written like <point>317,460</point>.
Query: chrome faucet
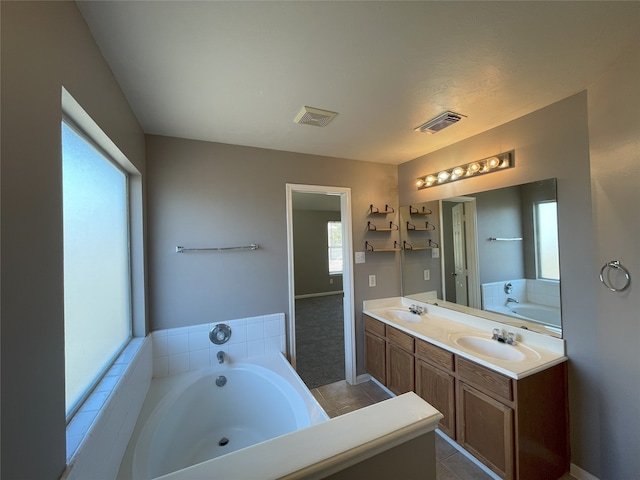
<point>509,300</point>
<point>509,338</point>
<point>221,356</point>
<point>417,309</point>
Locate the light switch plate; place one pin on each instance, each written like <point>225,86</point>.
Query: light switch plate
<point>435,253</point>
<point>359,257</point>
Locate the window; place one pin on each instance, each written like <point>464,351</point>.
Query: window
<point>546,221</point>
<point>334,231</point>
<point>97,275</point>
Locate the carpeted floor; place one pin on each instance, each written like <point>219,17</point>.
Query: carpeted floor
<point>320,340</point>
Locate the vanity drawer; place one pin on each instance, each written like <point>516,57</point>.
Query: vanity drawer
<point>485,379</point>
<point>374,326</point>
<point>435,355</point>
<point>400,339</point>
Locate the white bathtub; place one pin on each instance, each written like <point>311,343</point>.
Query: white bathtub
<point>190,419</point>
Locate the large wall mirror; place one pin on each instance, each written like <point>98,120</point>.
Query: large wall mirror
<point>495,252</point>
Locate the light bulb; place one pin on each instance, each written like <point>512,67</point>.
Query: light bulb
<point>474,167</point>
<point>430,179</point>
<point>493,162</point>
<point>458,171</point>
<point>442,176</point>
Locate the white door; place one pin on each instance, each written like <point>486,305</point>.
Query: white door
<point>459,254</point>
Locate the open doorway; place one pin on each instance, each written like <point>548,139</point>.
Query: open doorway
<point>321,316</point>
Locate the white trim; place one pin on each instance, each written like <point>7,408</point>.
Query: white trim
<point>364,378</point>
<point>347,273</point>
<point>382,387</point>
<point>473,459</point>
<point>473,273</point>
<point>580,474</point>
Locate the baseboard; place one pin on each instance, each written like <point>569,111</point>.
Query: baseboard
<point>321,294</point>
<point>461,449</point>
<point>379,384</point>
<point>581,474</point>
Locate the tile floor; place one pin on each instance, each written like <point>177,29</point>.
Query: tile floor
<point>340,398</point>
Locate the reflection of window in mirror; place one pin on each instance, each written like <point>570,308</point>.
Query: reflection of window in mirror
<point>546,218</point>
<point>334,231</point>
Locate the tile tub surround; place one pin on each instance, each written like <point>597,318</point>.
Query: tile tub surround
<point>542,292</point>
<point>179,350</point>
<point>99,432</point>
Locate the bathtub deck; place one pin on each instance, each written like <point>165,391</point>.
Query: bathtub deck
<point>340,443</point>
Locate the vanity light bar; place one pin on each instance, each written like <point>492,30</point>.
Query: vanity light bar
<point>492,164</point>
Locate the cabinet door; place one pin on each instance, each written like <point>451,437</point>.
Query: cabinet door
<point>400,369</point>
<point>374,357</point>
<point>437,388</point>
<point>485,429</point>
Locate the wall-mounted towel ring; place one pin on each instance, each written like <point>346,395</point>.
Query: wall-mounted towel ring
<point>616,265</point>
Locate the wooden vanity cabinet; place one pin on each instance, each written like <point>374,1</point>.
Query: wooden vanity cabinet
<point>400,361</point>
<point>486,416</point>
<point>375,349</point>
<point>517,428</point>
<point>389,356</point>
<point>435,382</point>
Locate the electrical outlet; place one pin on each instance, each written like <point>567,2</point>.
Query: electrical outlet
<point>372,280</point>
<point>331,281</point>
<point>427,275</point>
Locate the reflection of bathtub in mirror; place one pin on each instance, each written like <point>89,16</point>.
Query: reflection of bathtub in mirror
<point>541,313</point>
<point>544,314</point>
<point>535,300</point>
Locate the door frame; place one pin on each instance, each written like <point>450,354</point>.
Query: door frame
<point>473,267</point>
<point>347,273</point>
<point>460,270</point>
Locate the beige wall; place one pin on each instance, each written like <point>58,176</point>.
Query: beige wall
<point>552,142</point>
<point>45,46</point>
<point>614,133</point>
<point>210,194</point>
<point>311,252</point>
<point>590,143</point>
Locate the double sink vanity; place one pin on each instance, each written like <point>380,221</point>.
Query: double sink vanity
<point>503,397</point>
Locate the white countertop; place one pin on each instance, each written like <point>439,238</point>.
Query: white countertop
<point>439,325</point>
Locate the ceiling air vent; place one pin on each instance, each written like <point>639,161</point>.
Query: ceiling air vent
<point>441,122</point>
<point>314,116</point>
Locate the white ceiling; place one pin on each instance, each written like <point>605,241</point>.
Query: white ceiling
<point>238,72</point>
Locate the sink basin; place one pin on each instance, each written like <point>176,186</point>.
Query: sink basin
<point>487,347</point>
<point>402,315</point>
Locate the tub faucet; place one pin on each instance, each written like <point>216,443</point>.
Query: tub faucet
<point>221,356</point>
<point>509,300</point>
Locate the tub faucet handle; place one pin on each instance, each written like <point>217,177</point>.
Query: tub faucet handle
<point>221,356</point>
